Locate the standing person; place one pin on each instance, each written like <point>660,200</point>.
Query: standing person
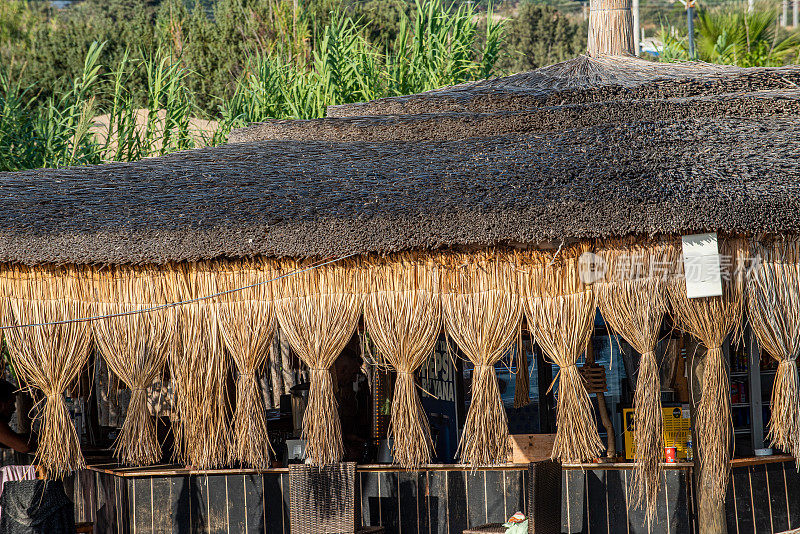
<point>23,443</point>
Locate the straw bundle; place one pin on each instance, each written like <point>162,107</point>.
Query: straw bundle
<point>711,320</point>
<point>49,358</point>
<point>561,311</point>
<point>199,372</point>
<point>246,322</point>
<point>318,310</point>
<point>482,313</point>
<point>402,312</point>
<point>135,347</point>
<point>633,301</point>
<point>774,310</point>
<point>610,28</point>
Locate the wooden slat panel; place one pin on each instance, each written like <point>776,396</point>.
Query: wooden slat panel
<point>438,502</point>
<point>423,503</point>
<point>793,491</point>
<point>181,499</point>
<point>598,502</point>
<point>162,504</point>
<point>198,506</point>
<point>514,494</point>
<point>777,497</point>
<point>617,509</point>
<point>236,503</point>
<point>389,501</point>
<point>142,512</point>
<point>408,509</point>
<point>254,498</point>
<point>761,499</point>
<point>573,502</point>
<point>740,478</point>
<point>456,501</point>
<point>370,501</point>
<point>476,498</point>
<point>495,497</point>
<point>273,504</point>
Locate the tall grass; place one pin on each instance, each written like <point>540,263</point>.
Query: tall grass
<point>441,45</point>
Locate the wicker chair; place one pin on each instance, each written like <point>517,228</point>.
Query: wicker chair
<point>544,501</point>
<point>322,500</point>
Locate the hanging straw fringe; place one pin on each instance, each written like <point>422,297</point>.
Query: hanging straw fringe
<point>711,320</point>
<point>402,312</point>
<point>482,312</point>
<point>246,322</point>
<point>318,311</point>
<point>199,371</point>
<point>135,348</point>
<point>774,311</point>
<point>49,358</point>
<point>633,301</point>
<point>561,311</point>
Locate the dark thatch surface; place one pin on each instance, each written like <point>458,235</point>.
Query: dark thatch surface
<point>454,126</point>
<point>641,162</point>
<point>581,80</point>
<point>319,198</point>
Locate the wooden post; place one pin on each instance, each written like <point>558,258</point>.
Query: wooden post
<point>710,514</point>
<point>637,49</point>
<point>785,14</point>
<point>795,13</point>
<point>610,28</point>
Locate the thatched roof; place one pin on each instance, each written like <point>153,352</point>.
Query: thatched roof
<point>641,159</point>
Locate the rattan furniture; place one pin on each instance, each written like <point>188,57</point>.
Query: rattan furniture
<point>543,501</point>
<point>322,500</point>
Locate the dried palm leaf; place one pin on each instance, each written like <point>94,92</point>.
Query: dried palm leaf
<point>773,285</point>
<point>560,311</point>
<point>50,357</point>
<point>711,320</point>
<point>318,311</point>
<point>135,347</point>
<point>402,312</point>
<point>633,301</point>
<point>482,314</point>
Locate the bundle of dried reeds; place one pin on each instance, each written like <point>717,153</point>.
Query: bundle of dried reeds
<point>402,312</point>
<point>711,320</point>
<point>246,322</point>
<point>560,311</point>
<point>633,300</point>
<point>135,347</point>
<point>482,314</point>
<point>318,311</point>
<point>49,358</point>
<point>199,371</point>
<point>773,285</point>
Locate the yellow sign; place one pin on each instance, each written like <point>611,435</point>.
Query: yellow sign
<point>677,430</point>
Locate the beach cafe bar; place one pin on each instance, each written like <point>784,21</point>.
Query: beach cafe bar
<point>572,292</point>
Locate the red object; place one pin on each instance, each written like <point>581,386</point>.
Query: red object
<point>671,454</point>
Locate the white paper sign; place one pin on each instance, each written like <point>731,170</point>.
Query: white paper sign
<point>701,266</point>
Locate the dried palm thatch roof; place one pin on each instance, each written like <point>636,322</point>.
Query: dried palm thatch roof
<point>583,79</point>
<point>608,151</point>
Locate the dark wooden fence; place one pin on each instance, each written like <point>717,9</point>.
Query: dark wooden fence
<point>437,501</point>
